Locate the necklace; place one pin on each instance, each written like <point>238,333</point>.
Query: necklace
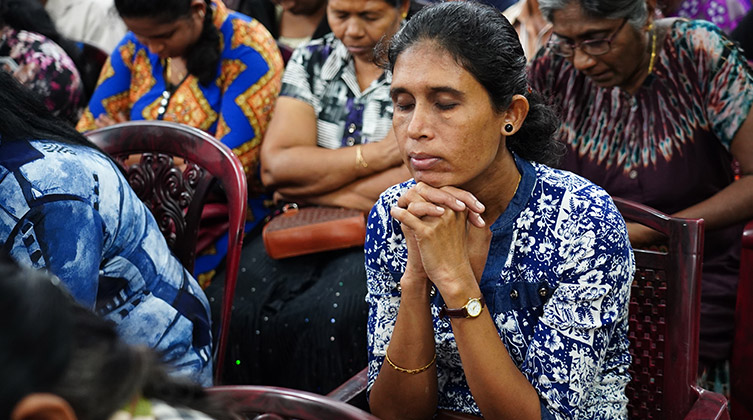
<point>170,88</point>
<point>518,184</point>
<point>653,48</point>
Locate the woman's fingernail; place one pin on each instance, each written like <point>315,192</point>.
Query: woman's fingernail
<point>480,205</point>
<point>460,203</point>
<point>481,220</point>
<point>440,209</point>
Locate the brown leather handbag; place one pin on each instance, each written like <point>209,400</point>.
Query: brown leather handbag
<point>306,230</point>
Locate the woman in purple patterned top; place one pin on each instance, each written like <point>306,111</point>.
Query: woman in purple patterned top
<point>656,112</point>
<point>726,14</point>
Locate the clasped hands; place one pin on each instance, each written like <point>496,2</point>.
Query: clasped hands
<point>440,226</point>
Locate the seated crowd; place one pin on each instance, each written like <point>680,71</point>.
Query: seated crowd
<point>482,149</point>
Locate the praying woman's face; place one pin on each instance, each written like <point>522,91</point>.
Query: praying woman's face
<point>622,65</point>
<point>360,24</point>
<point>169,39</point>
<point>446,127</point>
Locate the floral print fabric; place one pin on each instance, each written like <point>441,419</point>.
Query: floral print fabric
<point>556,282</point>
<point>43,66</point>
<point>726,14</point>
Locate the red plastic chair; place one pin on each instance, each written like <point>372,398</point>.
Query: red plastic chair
<point>741,367</point>
<point>663,325</point>
<point>664,321</point>
<point>175,194</point>
<point>273,403</point>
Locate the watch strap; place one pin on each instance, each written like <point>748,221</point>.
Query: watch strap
<point>461,312</point>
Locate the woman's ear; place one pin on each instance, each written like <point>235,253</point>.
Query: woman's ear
<point>199,7</point>
<point>515,115</point>
<point>404,8</point>
<point>43,406</point>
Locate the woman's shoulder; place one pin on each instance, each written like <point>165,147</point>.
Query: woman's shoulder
<point>561,185</point>
<point>245,38</point>
<point>693,35</point>
<point>75,159</point>
<point>700,46</point>
<point>565,181</point>
<point>317,50</point>
<point>56,168</point>
<point>238,27</point>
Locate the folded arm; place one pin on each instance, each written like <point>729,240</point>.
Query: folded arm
<point>295,165</point>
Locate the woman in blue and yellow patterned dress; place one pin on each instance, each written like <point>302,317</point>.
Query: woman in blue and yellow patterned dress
<point>197,63</point>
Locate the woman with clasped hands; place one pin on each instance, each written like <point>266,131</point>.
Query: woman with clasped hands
<point>498,286</point>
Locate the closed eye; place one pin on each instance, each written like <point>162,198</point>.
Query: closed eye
<point>447,106</point>
<point>404,107</point>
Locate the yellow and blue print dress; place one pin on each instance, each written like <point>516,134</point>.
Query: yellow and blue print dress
<point>235,108</point>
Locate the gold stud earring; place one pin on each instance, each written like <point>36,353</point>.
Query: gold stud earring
<point>405,15</point>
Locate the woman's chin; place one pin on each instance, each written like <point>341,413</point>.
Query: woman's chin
<point>431,178</point>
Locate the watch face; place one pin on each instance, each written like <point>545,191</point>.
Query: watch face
<point>474,308</point>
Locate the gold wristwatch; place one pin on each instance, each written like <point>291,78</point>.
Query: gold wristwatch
<point>471,309</point>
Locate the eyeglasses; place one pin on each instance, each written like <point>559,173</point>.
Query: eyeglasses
<point>590,46</point>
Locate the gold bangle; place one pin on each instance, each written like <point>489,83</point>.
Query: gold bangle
<point>359,157</point>
<point>410,371</point>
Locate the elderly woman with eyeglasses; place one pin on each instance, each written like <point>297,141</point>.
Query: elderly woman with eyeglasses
<point>657,111</point>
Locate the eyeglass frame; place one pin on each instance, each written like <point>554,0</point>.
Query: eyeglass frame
<point>554,45</point>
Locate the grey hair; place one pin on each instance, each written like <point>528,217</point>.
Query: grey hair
<point>635,11</point>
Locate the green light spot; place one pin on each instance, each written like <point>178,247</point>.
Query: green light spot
<point>237,362</point>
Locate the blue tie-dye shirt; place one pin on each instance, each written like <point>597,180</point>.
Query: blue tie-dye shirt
<point>68,209</point>
<point>556,283</point>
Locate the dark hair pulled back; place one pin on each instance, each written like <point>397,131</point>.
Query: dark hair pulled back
<point>484,43</point>
<point>203,58</point>
<point>23,116</point>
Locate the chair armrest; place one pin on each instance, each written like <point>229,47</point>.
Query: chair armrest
<point>352,387</point>
<point>708,406</point>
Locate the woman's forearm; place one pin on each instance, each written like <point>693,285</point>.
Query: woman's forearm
<point>359,195</point>
<point>401,395</point>
<point>311,170</point>
<point>733,204</point>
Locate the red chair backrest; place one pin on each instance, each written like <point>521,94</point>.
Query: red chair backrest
<point>266,402</point>
<point>175,194</point>
<point>741,367</point>
<point>664,316</point>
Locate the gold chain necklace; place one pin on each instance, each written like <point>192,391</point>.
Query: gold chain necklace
<point>653,48</point>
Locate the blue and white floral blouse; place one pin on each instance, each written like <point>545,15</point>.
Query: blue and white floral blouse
<point>556,282</point>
